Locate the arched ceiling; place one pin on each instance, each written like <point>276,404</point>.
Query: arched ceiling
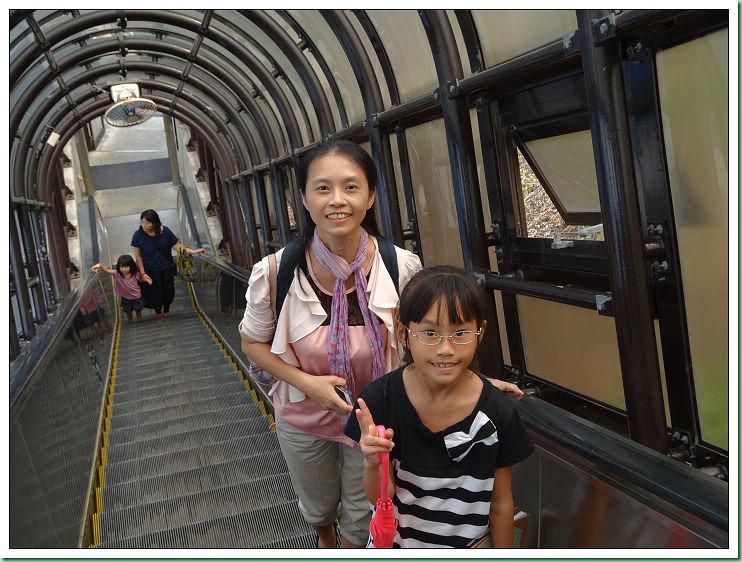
<point>260,85</point>
<point>252,83</point>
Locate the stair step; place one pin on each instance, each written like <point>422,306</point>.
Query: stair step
<point>191,460</point>
<point>252,529</point>
<point>175,363</point>
<point>163,381</point>
<point>195,508</point>
<point>202,479</point>
<point>194,407</point>
<point>181,397</point>
<point>159,465</point>
<point>225,376</point>
<point>119,451</point>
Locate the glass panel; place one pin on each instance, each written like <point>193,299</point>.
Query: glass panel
<point>568,164</point>
<point>502,32</point>
<point>406,43</point>
<point>53,430</point>
<point>330,49</point>
<point>271,207</point>
<point>404,216</point>
<point>256,209</point>
<point>460,45</point>
<point>258,44</point>
<point>592,368</point>
<point>432,185</point>
<point>696,129</point>
<point>385,95</point>
<point>278,126</point>
<point>543,219</point>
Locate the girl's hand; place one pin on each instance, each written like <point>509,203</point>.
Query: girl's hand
<point>371,442</point>
<point>147,279</point>
<point>507,387</point>
<point>96,267</point>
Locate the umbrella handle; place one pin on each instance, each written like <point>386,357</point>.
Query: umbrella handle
<point>384,458</point>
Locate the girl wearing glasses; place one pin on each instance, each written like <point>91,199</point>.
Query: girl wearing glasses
<point>452,436</point>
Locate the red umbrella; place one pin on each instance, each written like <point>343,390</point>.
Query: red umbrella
<point>383,524</point>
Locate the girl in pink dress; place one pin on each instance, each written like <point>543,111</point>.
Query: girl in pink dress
<point>127,284</point>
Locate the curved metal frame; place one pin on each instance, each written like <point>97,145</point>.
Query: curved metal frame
<point>238,130</point>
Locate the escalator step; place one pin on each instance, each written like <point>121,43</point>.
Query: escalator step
<point>187,439</point>
<point>163,487</point>
<point>162,428</point>
<point>195,508</point>
<point>148,467</point>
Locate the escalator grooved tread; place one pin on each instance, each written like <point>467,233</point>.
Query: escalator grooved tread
<point>161,487</point>
<point>245,497</point>
<point>168,411</point>
<point>171,427</point>
<point>174,461</point>
<point>120,451</point>
<point>232,531</point>
<point>191,459</point>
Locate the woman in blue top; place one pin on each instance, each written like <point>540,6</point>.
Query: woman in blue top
<point>153,246</point>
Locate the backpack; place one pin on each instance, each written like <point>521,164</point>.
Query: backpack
<point>280,280</point>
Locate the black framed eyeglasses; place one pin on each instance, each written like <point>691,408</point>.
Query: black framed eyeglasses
<point>459,337</point>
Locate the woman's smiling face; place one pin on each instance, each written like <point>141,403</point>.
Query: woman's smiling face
<point>337,196</point>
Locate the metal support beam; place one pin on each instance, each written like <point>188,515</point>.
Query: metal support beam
<point>459,138</point>
<point>172,151</point>
<point>622,222</point>
<point>386,190</point>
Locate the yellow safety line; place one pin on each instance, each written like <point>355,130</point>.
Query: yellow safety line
<point>102,457</point>
<point>246,380</point>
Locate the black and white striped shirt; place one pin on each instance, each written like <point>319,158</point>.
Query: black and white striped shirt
<point>444,480</point>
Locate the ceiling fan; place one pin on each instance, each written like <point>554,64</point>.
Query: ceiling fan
<point>129,109</point>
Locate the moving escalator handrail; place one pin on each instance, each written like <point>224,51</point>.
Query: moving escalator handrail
<point>628,462</point>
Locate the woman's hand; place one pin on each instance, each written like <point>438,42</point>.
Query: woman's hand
<point>371,442</point>
<point>507,387</point>
<point>322,390</point>
<point>146,278</point>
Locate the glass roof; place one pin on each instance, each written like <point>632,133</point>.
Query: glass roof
<point>262,82</point>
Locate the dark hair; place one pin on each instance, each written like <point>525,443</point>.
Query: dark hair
<point>127,260</point>
<point>150,215</point>
<point>353,152</point>
<point>454,288</point>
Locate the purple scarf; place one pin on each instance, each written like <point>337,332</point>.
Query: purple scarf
<point>337,346</point>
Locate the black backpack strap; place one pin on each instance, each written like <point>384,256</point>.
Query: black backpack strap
<point>289,260</point>
<point>389,255</point>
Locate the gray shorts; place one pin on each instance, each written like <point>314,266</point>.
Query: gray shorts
<point>328,479</point>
